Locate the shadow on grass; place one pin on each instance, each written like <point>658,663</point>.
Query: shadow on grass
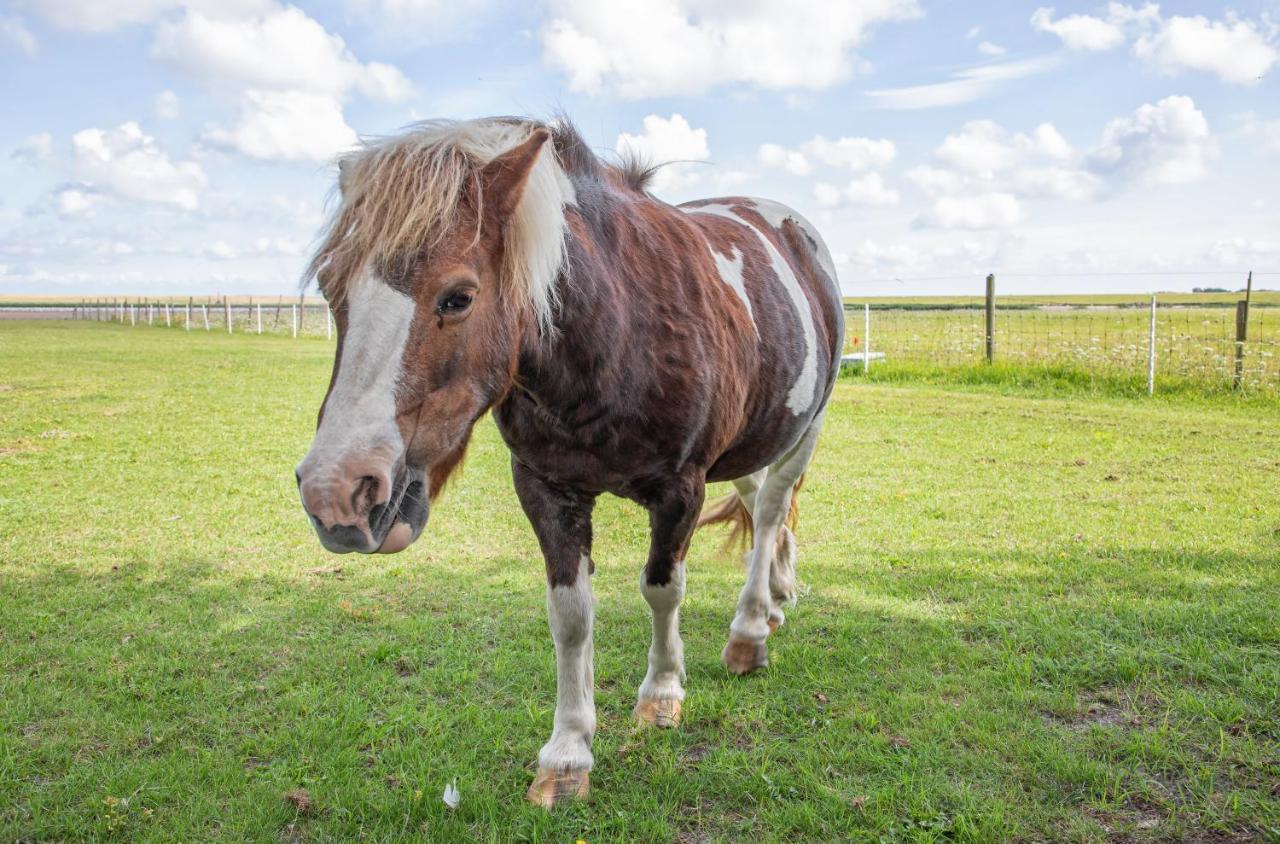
<point>907,699</point>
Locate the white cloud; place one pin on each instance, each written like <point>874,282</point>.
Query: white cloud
<point>282,50</point>
<point>870,190</point>
<point>75,200</point>
<point>1234,50</point>
<point>856,154</point>
<point>1161,144</point>
<point>14,31</point>
<point>128,163</point>
<point>793,161</point>
<point>866,190</point>
<point>1080,32</point>
<point>667,140</point>
<point>985,211</point>
<point>101,16</point>
<point>987,48</point>
<point>983,146</point>
<point>286,126</point>
<point>672,47</point>
<point>167,106</point>
<point>34,148</point>
<point>968,85</point>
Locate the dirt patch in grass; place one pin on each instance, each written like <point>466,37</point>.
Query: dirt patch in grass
<point>1107,708</point>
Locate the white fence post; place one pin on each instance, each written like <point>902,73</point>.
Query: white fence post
<point>188,320</point>
<point>1151,351</point>
<point>866,338</point>
<point>205,310</point>
<point>294,310</point>
<point>168,316</point>
<point>226,307</point>
<point>133,314</point>
<point>259,317</point>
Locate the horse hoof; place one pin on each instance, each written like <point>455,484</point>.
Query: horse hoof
<point>658,712</point>
<point>775,619</point>
<point>742,656</point>
<point>551,787</point>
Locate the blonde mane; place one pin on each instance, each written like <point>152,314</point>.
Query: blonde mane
<point>398,196</point>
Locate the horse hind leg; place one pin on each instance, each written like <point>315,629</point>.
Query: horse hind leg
<point>771,560</point>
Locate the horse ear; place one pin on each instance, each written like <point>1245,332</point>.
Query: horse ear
<point>503,180</point>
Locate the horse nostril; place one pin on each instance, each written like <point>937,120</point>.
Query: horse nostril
<point>365,494</point>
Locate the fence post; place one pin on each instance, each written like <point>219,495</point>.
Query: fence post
<point>188,322</point>
<point>133,314</point>
<point>1151,350</point>
<point>1242,333</point>
<point>259,317</point>
<point>168,315</point>
<point>991,317</point>
<point>226,309</point>
<point>204,309</point>
<point>294,310</point>
<point>866,338</point>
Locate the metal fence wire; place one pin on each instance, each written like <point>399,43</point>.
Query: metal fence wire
<point>1192,342</point>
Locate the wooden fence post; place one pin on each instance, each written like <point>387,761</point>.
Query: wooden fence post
<point>1151,350</point>
<point>1242,332</point>
<point>866,338</point>
<point>991,317</point>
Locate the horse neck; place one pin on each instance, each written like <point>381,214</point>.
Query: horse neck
<point>596,333</point>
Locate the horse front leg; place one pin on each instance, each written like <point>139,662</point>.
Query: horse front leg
<point>561,518</point>
<point>672,517</point>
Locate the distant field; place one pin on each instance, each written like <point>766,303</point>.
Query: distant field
<point>1024,619</point>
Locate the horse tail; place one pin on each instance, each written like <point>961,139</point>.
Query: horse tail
<point>729,509</point>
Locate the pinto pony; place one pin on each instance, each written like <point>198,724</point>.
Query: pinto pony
<point>623,346</point>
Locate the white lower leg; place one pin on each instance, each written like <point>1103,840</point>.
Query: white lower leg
<point>570,611</point>
<point>751,622</point>
<point>666,654</point>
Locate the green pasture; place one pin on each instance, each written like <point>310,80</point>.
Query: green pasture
<point>1027,615</point>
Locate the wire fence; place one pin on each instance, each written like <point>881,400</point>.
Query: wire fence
<point>274,316</point>
<point>1218,343</point>
<point>1190,341</point>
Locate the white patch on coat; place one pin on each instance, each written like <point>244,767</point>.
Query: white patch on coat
<point>801,396</point>
<point>570,612</point>
<point>666,654</point>
<point>730,270</point>
<point>360,411</point>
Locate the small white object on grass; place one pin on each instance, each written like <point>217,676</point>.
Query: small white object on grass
<point>451,797</point>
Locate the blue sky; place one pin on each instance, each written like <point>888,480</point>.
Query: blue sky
<point>184,146</point>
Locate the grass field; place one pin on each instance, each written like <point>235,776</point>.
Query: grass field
<point>1025,618</point>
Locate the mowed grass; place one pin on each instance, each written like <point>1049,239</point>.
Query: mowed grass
<point>1024,618</point>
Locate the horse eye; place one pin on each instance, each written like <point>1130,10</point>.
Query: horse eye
<point>454,303</point>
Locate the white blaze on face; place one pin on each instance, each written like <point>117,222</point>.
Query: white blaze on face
<point>801,396</point>
<point>360,412</point>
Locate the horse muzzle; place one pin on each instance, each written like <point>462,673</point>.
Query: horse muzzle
<point>367,512</point>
